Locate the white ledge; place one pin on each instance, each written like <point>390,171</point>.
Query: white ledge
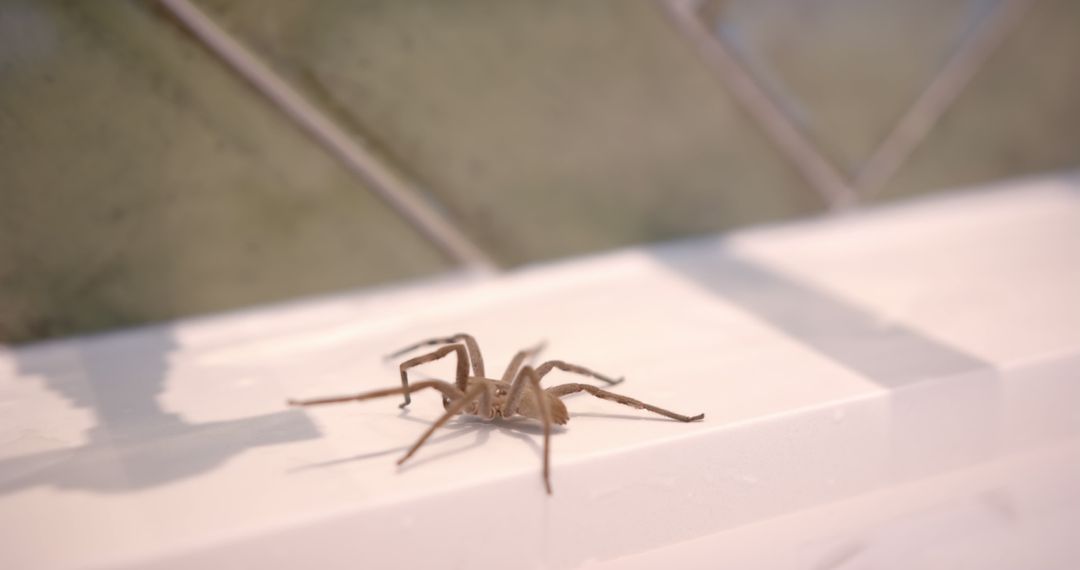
<point>833,358</point>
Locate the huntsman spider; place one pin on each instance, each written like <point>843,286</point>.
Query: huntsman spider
<point>517,393</point>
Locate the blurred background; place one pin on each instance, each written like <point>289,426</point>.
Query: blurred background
<point>152,171</point>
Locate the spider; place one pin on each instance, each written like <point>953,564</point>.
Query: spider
<point>517,393</point>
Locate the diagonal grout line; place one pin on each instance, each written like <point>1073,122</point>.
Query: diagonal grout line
<point>822,175</point>
<point>912,128</point>
<point>945,88</point>
<point>392,188</point>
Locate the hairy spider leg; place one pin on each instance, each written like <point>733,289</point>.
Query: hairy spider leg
<point>453,409</point>
<point>448,390</point>
<point>564,389</point>
<point>519,358</point>
<point>486,408</point>
<point>545,416</point>
<point>461,376</point>
<point>475,357</point>
<point>546,367</point>
<point>516,392</point>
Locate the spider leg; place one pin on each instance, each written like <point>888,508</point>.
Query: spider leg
<point>545,416</point>
<point>519,359</point>
<point>564,389</point>
<point>485,410</point>
<point>461,376</point>
<point>528,376</point>
<point>546,367</point>
<point>454,408</point>
<point>475,357</point>
<point>517,391</point>
<point>448,390</point>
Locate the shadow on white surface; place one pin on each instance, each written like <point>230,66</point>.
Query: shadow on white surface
<point>522,430</point>
<point>888,354</point>
<point>949,424</point>
<point>135,443</point>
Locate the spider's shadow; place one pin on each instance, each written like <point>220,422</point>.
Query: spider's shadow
<point>458,427</point>
<point>461,426</point>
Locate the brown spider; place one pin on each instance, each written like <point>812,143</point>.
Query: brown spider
<point>489,399</point>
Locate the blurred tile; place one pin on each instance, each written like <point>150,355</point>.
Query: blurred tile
<point>845,70</point>
<point>546,128</point>
<point>140,180</point>
<point>1020,114</point>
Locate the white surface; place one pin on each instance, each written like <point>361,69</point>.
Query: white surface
<point>1017,512</point>
<point>832,358</point>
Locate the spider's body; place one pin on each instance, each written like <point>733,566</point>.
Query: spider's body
<point>498,408</point>
<point>517,393</point>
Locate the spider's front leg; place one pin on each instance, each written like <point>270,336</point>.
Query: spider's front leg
<point>545,417</point>
<point>453,409</point>
<point>475,357</point>
<point>461,376</point>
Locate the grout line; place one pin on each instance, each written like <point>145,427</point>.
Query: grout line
<point>945,88</point>
<point>822,175</point>
<point>401,195</point>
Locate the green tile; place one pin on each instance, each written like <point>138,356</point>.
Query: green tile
<point>1019,115</point>
<point>141,180</point>
<point>845,70</point>
<point>545,128</point>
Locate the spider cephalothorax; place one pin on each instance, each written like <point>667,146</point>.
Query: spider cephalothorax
<point>517,393</point>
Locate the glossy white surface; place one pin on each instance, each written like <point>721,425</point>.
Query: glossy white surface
<point>833,358</point>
